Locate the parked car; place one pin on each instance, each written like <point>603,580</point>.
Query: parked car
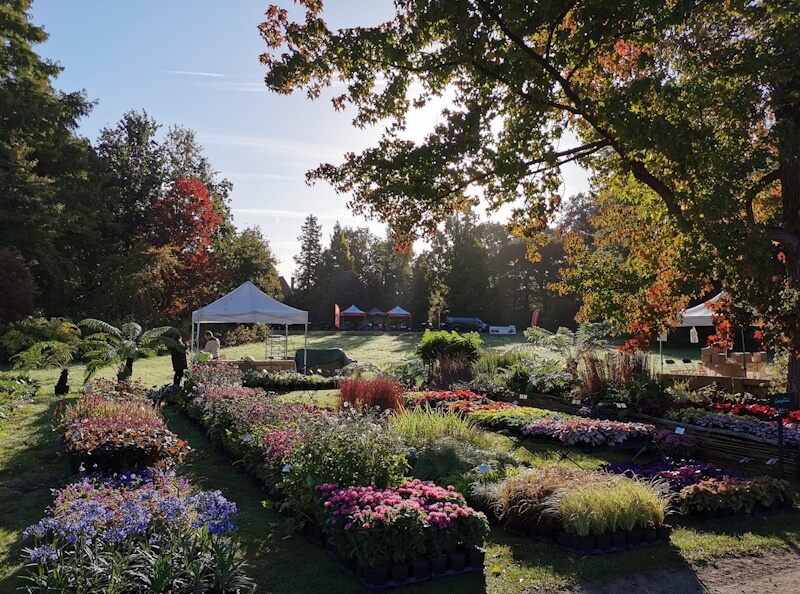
<point>461,324</point>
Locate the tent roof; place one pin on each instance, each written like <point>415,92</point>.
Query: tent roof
<point>352,311</point>
<point>699,315</point>
<point>399,312</point>
<point>376,311</point>
<point>248,304</point>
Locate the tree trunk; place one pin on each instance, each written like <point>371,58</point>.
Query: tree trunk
<point>787,115</point>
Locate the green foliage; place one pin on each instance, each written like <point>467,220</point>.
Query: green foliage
<point>421,428</point>
<point>436,346</point>
<point>573,346</point>
<point>347,448</point>
<point>23,334</point>
<point>109,345</point>
<point>44,354</point>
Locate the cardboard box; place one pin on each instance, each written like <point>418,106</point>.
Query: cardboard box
<point>705,358</point>
<point>719,358</point>
<point>741,357</point>
<point>707,351</point>
<point>760,357</point>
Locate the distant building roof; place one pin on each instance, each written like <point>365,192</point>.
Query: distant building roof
<point>286,289</point>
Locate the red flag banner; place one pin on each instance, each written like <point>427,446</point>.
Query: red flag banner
<point>535,318</point>
<point>337,314</point>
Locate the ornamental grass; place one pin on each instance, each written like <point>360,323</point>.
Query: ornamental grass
<point>422,427</point>
<point>381,393</point>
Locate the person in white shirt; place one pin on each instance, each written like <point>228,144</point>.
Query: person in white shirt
<point>212,344</point>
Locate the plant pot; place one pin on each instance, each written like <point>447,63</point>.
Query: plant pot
<point>438,565</point>
<point>664,532</point>
<point>619,540</point>
<point>649,534</point>
<point>634,537</point>
<point>421,570</point>
<point>582,544</point>
<point>458,562</point>
<point>399,573</point>
<point>604,541</point>
<point>377,576</point>
<point>476,558</point>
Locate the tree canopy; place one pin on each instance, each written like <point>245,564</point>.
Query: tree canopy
<point>690,106</point>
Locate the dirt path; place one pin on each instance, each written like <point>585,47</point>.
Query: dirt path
<point>766,574</point>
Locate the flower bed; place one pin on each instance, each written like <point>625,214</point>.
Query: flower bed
<point>678,474</point>
<point>286,381</point>
<point>761,412</point>
<point>134,533</point>
<point>591,432</point>
<point>107,432</point>
<point>442,397</point>
<point>414,522</point>
<point>514,418</point>
<point>717,497</point>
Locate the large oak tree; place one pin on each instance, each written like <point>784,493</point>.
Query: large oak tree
<point>694,101</point>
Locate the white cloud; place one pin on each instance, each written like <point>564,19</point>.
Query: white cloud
<point>193,73</point>
<point>274,146</point>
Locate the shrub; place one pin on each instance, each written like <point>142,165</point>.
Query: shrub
<point>440,345</point>
<point>135,533</point>
<point>381,393</point>
<point>245,334</point>
<point>25,333</point>
<point>286,381</point>
<point>516,417</point>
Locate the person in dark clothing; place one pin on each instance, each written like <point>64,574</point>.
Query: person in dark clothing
<point>179,364</point>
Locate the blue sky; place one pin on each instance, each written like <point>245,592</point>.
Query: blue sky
<point>195,63</point>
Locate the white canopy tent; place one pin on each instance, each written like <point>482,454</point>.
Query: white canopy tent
<point>247,304</point>
<point>700,315</point>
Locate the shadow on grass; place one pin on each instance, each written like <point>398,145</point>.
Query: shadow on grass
<point>31,464</point>
<point>549,568</point>
<point>280,563</point>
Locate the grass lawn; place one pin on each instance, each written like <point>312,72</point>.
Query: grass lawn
<point>31,463</point>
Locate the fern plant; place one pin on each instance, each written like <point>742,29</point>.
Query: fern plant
<point>109,345</point>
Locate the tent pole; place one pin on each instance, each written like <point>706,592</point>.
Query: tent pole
<point>661,354</point>
<point>286,341</point>
<point>305,352</point>
<point>744,350</point>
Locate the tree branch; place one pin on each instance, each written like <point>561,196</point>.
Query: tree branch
<point>751,194</point>
<point>637,167</point>
<point>787,239</point>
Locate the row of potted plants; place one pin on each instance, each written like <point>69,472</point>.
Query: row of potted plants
<point>140,528</point>
<point>410,524</point>
<point>586,511</point>
<point>750,426</point>
<point>286,381</point>
<point>292,448</point>
<point>114,427</point>
<point>737,496</point>
<point>762,412</point>
<point>591,432</point>
<point>145,531</point>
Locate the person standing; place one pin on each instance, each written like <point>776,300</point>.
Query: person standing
<point>179,364</point>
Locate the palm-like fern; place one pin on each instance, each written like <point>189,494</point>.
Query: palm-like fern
<point>571,345</point>
<point>109,345</point>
